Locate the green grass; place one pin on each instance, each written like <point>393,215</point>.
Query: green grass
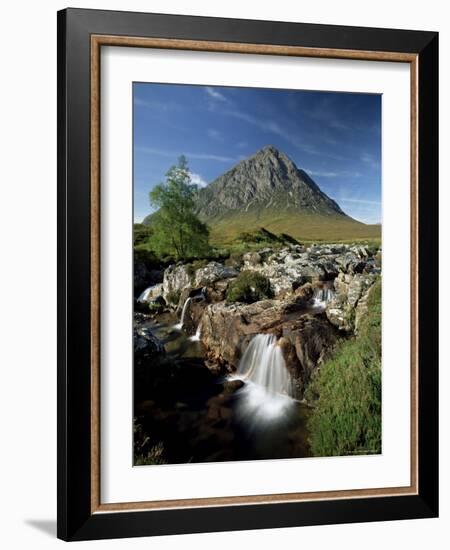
<point>236,235</point>
<point>249,287</point>
<point>301,227</point>
<point>346,418</point>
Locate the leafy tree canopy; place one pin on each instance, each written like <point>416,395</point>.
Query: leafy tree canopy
<point>177,229</point>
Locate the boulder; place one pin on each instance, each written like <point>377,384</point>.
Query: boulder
<point>330,269</point>
<point>143,276</point>
<point>180,280</point>
<point>157,305</point>
<point>285,277</point>
<point>151,293</point>
<point>349,289</point>
<point>251,258</point>
<point>147,347</point>
<point>176,278</point>
<point>305,344</point>
<point>226,329</point>
<point>213,272</point>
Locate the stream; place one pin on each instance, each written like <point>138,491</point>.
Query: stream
<point>201,417</point>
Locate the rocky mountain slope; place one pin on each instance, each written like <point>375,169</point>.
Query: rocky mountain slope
<point>267,180</point>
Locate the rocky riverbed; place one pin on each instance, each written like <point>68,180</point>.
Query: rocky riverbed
<point>192,390</point>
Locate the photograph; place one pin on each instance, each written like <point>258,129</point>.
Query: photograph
<point>257,282</point>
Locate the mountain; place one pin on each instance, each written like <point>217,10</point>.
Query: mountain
<point>268,190</point>
<point>267,180</point>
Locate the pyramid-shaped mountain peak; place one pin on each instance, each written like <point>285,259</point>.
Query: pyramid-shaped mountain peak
<point>266,181</point>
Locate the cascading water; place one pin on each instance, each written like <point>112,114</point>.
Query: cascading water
<point>268,389</point>
<point>263,364</point>
<point>180,325</point>
<point>322,296</point>
<point>145,295</point>
<point>197,335</point>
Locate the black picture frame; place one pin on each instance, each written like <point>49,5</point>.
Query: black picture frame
<point>75,518</point>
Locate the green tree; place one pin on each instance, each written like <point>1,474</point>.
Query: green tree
<point>177,230</point>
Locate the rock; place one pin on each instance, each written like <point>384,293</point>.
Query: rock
<point>360,250</point>
<point>349,289</point>
<point>181,280</point>
<point>292,267</point>
<point>330,269</point>
<point>227,328</point>
<point>304,339</point>
<point>140,318</point>
<point>218,291</point>
<point>151,293</point>
<point>336,314</point>
<point>358,285</point>
<point>371,267</point>
<point>305,344</point>
<point>146,346</point>
<point>300,300</point>
<point>345,261</point>
<point>214,271</point>
<point>176,278</point>
<point>144,277</point>
<point>230,386</point>
<point>285,277</point>
<point>251,258</point>
<point>140,276</point>
<point>157,305</point>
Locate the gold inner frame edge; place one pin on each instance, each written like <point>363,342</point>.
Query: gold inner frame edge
<point>97,41</point>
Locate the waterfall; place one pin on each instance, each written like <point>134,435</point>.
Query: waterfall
<point>266,396</point>
<point>144,296</point>
<point>149,293</point>
<point>322,296</point>
<point>179,325</point>
<point>197,335</point>
<point>263,364</point>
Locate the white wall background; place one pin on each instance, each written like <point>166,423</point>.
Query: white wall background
<point>28,272</point>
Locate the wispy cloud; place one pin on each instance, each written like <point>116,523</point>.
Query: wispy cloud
<point>325,113</point>
<point>197,179</point>
<point>175,154</point>
<point>215,94</point>
<point>157,105</point>
<point>360,201</point>
<point>333,174</point>
<point>321,174</point>
<point>339,125</point>
<point>368,159</point>
<point>215,134</point>
<point>272,127</point>
<point>265,124</point>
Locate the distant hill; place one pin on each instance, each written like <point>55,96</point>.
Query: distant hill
<point>268,190</point>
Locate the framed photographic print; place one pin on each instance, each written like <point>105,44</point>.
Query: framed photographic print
<point>247,274</point>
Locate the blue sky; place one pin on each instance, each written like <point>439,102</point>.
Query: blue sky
<point>335,137</point>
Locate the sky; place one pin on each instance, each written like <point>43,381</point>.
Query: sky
<point>335,137</point>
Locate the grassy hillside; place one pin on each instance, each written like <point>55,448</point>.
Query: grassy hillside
<point>346,418</point>
<point>303,227</point>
